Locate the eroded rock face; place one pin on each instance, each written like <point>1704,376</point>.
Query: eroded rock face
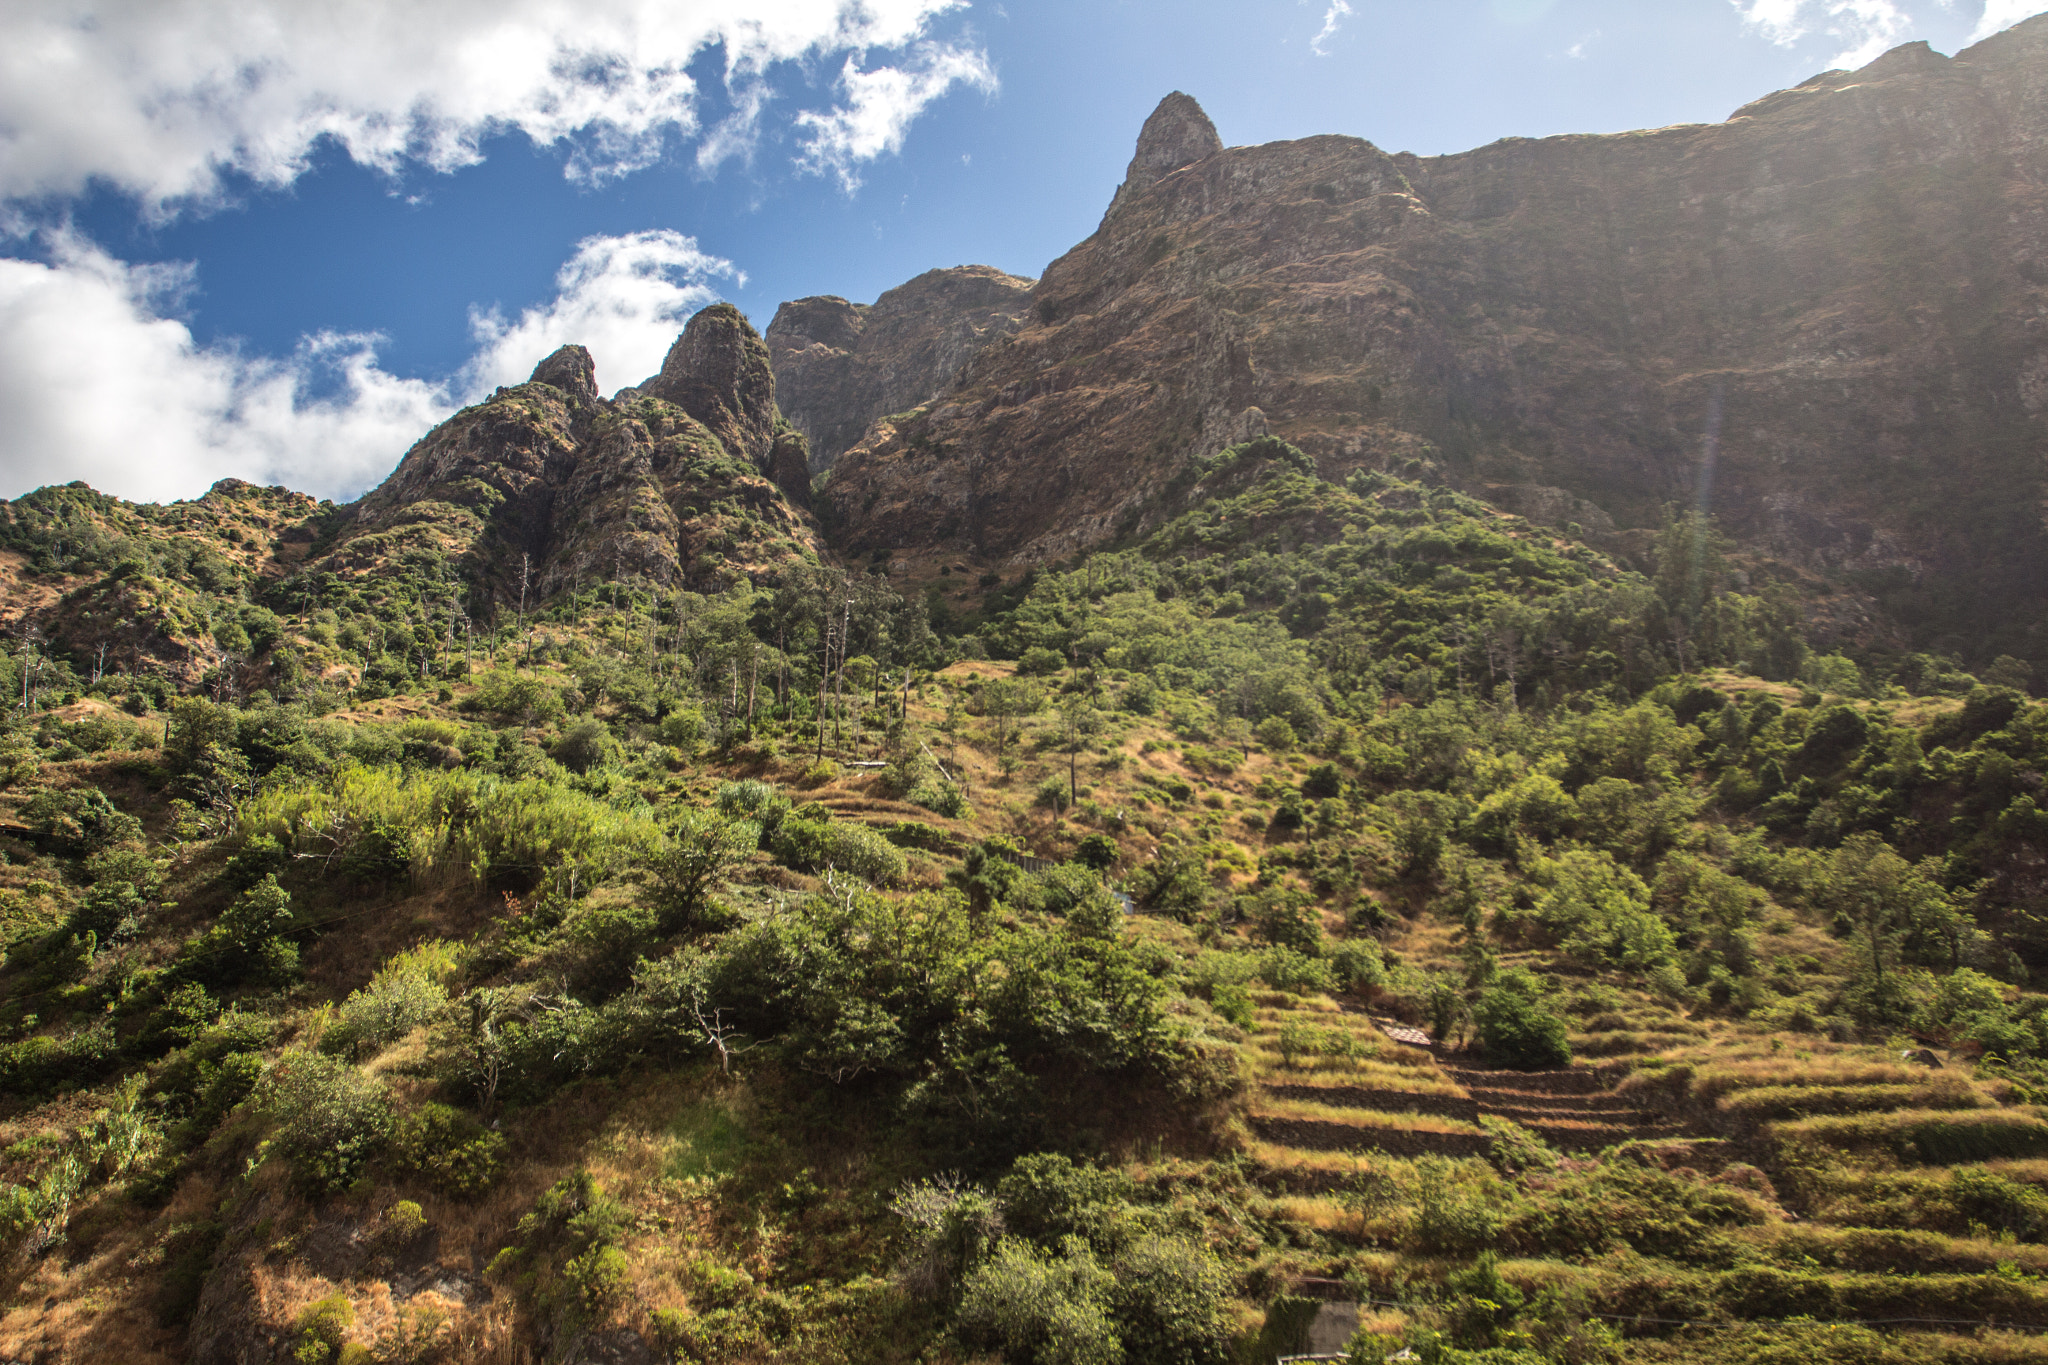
<point>1826,320</point>
<point>718,372</point>
<point>1177,134</point>
<point>550,485</point>
<point>839,365</point>
<point>571,370</point>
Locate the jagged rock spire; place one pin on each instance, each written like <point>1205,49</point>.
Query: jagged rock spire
<point>718,373</point>
<point>572,371</point>
<point>1178,134</point>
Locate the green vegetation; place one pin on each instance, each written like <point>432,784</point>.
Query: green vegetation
<point>772,972</point>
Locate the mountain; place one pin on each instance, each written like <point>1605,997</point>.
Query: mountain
<point>559,908</point>
<point>688,476</point>
<point>840,365</point>
<point>689,479</point>
<point>1824,321</point>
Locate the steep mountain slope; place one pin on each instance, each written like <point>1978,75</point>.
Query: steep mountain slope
<point>673,479</point>
<point>1824,320</point>
<point>840,365</point>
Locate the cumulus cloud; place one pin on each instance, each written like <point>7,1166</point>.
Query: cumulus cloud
<point>1865,28</point>
<point>623,297</point>
<point>102,382</point>
<point>163,98</point>
<point>2000,15</point>
<point>880,105</point>
<point>1336,14</point>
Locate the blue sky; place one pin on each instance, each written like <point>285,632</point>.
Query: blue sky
<point>281,250</point>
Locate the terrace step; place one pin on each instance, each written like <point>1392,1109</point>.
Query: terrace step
<point>1501,1100</point>
<point>1592,1137</point>
<point>1535,1116</point>
<point>1324,1135</point>
<point>1385,1101</point>
<point>1576,1080</point>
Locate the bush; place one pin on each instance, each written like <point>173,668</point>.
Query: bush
<point>1039,662</point>
<point>816,846</point>
<point>451,1149</point>
<point>586,744</point>
<point>1097,851</point>
<point>1460,1205</point>
<point>330,1119</point>
<point>1323,781</point>
<point>1276,735</point>
<point>1048,1197</point>
<point>1358,966</point>
<point>1516,1029</point>
<point>682,730</point>
<point>79,821</point>
<point>951,1227</point>
<point>260,856</point>
<point>1284,969</point>
<point>941,798</point>
<point>1041,1309</point>
<point>406,993</point>
<point>322,1330</point>
<point>1170,1294</point>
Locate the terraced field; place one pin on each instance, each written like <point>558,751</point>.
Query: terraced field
<point>1331,1080</point>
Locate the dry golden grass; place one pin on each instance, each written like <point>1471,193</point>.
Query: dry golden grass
<point>1267,1107</point>
<point>1268,1067</point>
<point>1280,1159</point>
<point>1317,1212</point>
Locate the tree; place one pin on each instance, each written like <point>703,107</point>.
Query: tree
<point>1892,908</point>
<point>695,852</point>
<point>1007,701</point>
<point>1078,720</point>
<point>1514,1026</point>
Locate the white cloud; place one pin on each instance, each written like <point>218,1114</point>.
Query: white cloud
<point>1865,28</point>
<point>100,381</point>
<point>2000,15</point>
<point>880,105</point>
<point>624,298</point>
<point>1336,14</point>
<point>1577,51</point>
<point>161,98</point>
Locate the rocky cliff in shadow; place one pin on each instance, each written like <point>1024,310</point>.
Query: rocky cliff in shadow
<point>840,365</point>
<point>1824,320</point>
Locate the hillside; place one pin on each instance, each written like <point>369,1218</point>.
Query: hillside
<point>1818,321</point>
<point>1263,806</point>
<point>1336,918</point>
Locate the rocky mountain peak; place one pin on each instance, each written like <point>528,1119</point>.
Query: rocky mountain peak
<point>1177,134</point>
<point>571,370</point>
<point>840,365</point>
<point>718,373</point>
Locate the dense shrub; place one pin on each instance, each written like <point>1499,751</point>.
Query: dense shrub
<point>1515,1027</point>
<point>818,846</point>
<point>330,1120</point>
<point>451,1149</point>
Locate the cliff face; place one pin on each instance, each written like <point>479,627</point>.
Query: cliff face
<point>1825,320</point>
<point>675,479</point>
<point>840,365</point>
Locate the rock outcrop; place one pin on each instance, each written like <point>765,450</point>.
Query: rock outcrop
<point>1177,134</point>
<point>840,365</point>
<point>1825,320</point>
<point>548,485</point>
<point>718,373</point>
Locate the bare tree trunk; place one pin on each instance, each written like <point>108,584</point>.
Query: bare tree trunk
<point>753,677</point>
